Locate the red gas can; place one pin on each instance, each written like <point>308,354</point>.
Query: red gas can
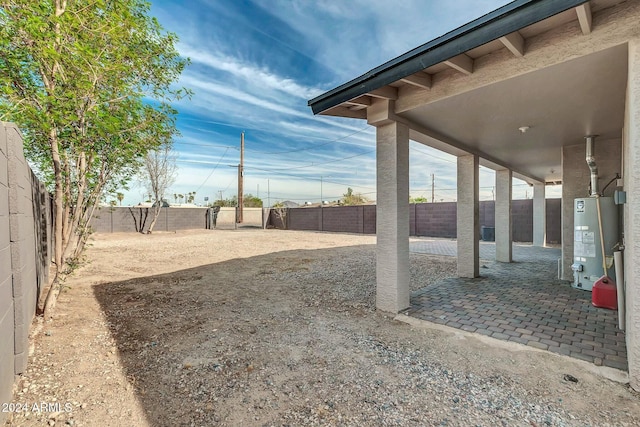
<point>604,293</point>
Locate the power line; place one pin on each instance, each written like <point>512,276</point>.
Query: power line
<point>308,178</point>
<point>205,145</point>
<point>322,163</point>
<point>313,147</point>
<point>266,130</point>
<point>285,151</point>
<point>328,197</point>
<point>214,169</point>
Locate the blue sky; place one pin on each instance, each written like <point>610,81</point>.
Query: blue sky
<point>254,66</point>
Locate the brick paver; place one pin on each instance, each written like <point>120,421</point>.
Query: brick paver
<point>523,302</point>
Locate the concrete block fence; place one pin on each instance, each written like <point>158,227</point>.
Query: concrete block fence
<point>124,219</point>
<point>425,219</point>
<point>26,242</point>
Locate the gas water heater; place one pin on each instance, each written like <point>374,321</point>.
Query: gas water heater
<point>588,224</point>
<point>587,253</point>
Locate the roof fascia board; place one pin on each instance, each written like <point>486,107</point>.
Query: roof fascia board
<point>501,22</point>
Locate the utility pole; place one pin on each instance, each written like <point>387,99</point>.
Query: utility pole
<point>433,186</point>
<point>241,178</point>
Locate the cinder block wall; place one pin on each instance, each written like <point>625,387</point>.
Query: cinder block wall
<point>554,220</point>
<point>347,219</point>
<point>304,218</point>
<point>425,219</point>
<point>7,370</point>
<point>123,219</point>
<point>522,220</point>
<point>435,219</point>
<point>25,254</point>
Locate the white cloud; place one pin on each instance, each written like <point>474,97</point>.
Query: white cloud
<point>251,73</point>
<point>240,84</point>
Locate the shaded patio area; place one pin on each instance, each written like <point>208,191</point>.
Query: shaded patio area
<point>523,302</point>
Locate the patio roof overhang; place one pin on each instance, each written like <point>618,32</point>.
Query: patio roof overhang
<point>471,90</point>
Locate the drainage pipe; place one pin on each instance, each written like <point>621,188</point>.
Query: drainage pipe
<point>591,162</point>
<point>617,260</point>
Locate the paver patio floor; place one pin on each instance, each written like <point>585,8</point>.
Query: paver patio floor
<point>523,302</point>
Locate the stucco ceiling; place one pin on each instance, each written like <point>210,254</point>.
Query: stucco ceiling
<point>560,105</point>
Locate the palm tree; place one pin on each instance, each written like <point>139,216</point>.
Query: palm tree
<point>120,197</point>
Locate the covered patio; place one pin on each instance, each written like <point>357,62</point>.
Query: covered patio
<point>517,91</point>
<point>522,302</point>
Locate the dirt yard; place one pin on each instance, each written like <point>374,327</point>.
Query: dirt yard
<point>276,328</point>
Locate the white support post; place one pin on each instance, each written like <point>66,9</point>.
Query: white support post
<point>392,217</point>
<point>539,215</point>
<point>503,224</point>
<point>468,216</point>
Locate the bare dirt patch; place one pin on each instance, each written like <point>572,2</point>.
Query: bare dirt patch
<point>261,328</point>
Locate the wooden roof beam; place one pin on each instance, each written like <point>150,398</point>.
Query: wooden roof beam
<point>514,42</point>
<point>462,63</point>
<point>340,111</point>
<point>421,80</point>
<point>385,92</point>
<point>585,18</point>
<point>361,101</point>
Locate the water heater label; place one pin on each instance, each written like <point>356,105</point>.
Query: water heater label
<point>580,206</point>
<point>581,249</point>
<point>588,237</point>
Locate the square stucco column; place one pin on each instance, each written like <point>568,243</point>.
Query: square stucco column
<point>632,214</point>
<point>539,215</point>
<point>392,217</point>
<point>503,215</point>
<point>468,217</point>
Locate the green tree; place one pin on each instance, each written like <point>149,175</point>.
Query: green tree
<point>251,201</point>
<point>89,84</point>
<point>120,197</point>
<point>230,202</point>
<point>351,198</point>
<point>419,199</point>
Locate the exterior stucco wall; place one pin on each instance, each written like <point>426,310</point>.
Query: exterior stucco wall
<point>576,178</point>
<point>631,180</point>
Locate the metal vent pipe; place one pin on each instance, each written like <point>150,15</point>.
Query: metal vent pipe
<point>591,162</point>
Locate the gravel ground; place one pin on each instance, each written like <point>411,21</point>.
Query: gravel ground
<point>273,328</point>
